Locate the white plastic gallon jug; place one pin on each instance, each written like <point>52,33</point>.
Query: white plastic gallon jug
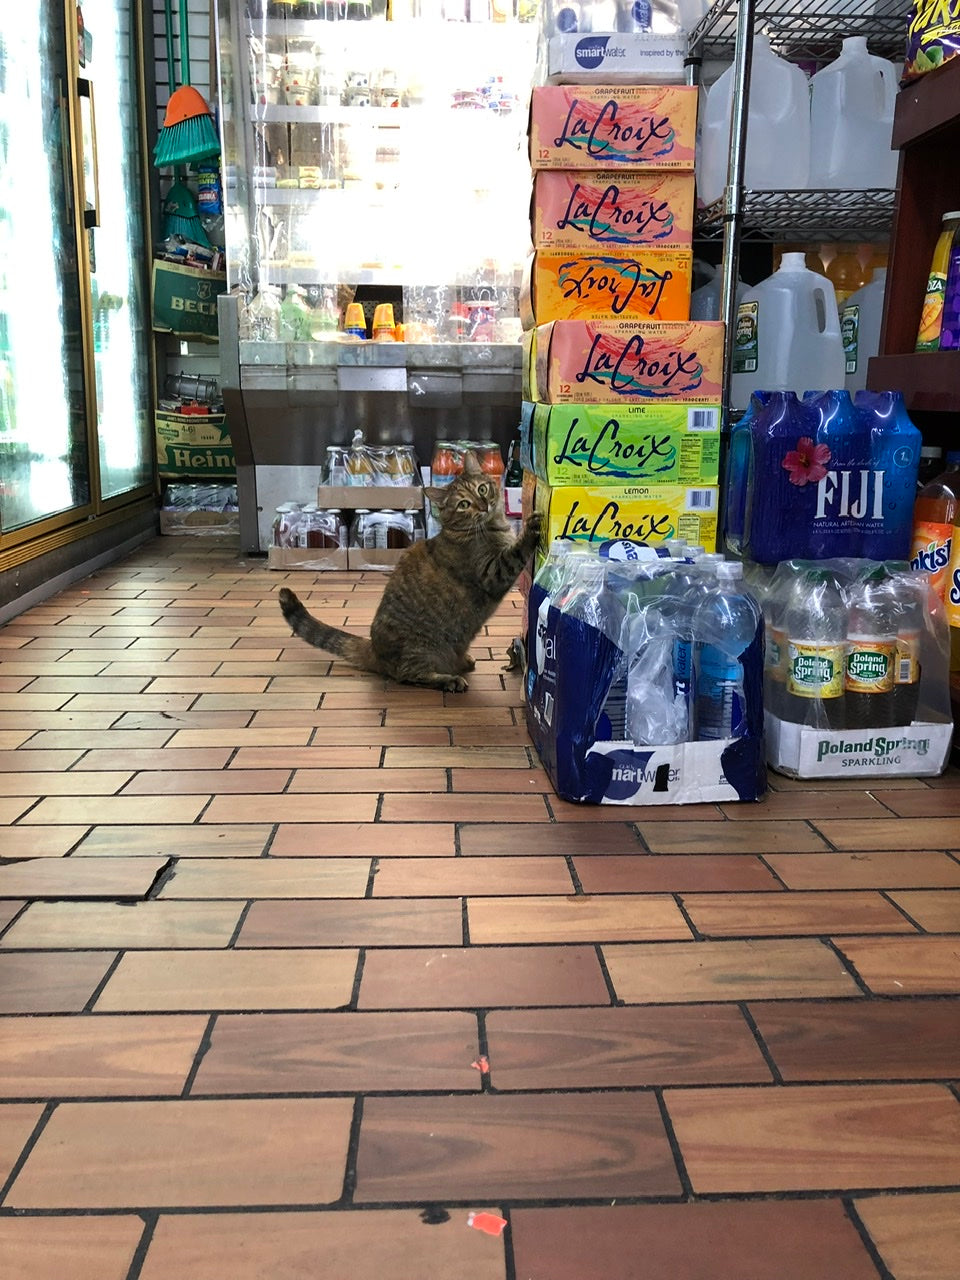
<point>787,335</point>
<point>851,121</point>
<point>860,318</point>
<point>705,301</point>
<point>778,128</point>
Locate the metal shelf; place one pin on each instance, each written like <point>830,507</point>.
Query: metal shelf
<point>811,35</point>
<point>807,215</point>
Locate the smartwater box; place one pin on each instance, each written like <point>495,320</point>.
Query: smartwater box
<point>614,361</point>
<point>622,444</point>
<point>647,284</point>
<point>626,126</point>
<point>592,212</point>
<point>570,669</point>
<point>628,57</point>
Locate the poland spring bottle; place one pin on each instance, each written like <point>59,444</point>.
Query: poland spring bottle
<point>871,652</point>
<point>816,627</point>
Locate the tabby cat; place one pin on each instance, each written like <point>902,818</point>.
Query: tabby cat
<point>440,593</point>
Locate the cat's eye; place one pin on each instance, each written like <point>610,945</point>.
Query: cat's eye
<point>462,504</point>
<point>482,490</point>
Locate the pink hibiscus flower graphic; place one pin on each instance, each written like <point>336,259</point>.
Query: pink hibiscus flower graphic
<point>807,463</point>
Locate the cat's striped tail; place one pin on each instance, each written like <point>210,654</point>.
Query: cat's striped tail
<point>353,649</point>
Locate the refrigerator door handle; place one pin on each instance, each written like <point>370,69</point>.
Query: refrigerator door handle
<point>89,170</point>
<point>65,151</point>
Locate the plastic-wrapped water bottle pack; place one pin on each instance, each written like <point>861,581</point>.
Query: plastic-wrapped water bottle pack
<point>660,649</point>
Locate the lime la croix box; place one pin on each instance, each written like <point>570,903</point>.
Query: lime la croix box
<point>595,444</point>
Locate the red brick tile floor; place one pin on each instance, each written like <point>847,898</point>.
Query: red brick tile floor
<point>300,969</point>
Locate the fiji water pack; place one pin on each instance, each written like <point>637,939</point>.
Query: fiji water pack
<point>825,476</point>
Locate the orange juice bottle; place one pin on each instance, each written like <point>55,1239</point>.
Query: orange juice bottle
<point>931,318</point>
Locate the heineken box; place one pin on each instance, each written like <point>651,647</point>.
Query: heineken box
<point>193,445</point>
<point>185,300</point>
<point>919,749</point>
<point>622,443</point>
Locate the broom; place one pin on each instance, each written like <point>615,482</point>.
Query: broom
<point>188,134</point>
<point>180,214</point>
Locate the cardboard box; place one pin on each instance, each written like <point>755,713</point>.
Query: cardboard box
<point>624,443</point>
<point>920,749</point>
<point>648,513</point>
<point>310,559</point>
<point>613,126</point>
<point>193,445</point>
<point>182,521</point>
<point>378,497</point>
<point>611,210</point>
<point>634,57</point>
<point>382,558</point>
<point>650,284</point>
<point>606,362</point>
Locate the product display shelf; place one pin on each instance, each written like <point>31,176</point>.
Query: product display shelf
<point>927,131</point>
<point>806,215</point>
<point>808,33</point>
<point>814,32</point>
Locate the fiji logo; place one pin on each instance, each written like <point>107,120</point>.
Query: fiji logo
<point>590,52</point>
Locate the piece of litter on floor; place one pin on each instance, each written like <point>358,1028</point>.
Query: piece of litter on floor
<point>481,1065</point>
<point>488,1222</point>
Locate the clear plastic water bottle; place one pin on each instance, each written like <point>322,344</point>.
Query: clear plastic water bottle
<point>871,651</point>
<point>587,598</point>
<point>550,574</point>
<point>676,610</point>
<point>725,624</point>
<point>658,705</point>
<point>816,625</point>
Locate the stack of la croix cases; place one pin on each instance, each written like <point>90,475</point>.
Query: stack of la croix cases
<point>620,431</point>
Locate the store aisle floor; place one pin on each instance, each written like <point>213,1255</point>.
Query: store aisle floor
<point>299,970</point>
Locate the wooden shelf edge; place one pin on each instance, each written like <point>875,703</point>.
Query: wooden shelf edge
<point>929,380</point>
<point>927,104</point>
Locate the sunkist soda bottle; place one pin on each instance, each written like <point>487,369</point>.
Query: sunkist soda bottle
<point>934,514</point>
<point>952,600</point>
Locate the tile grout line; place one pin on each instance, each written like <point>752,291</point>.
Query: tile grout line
<point>206,1043</point>
<point>768,1058</point>
<point>7,1185</point>
<point>865,1238</point>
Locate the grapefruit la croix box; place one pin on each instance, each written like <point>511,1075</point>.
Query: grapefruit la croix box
<point>652,284</point>
<point>592,212</point>
<point>609,361</point>
<point>613,126</point>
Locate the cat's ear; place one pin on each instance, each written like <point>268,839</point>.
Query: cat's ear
<point>434,494</point>
<point>471,467</point>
